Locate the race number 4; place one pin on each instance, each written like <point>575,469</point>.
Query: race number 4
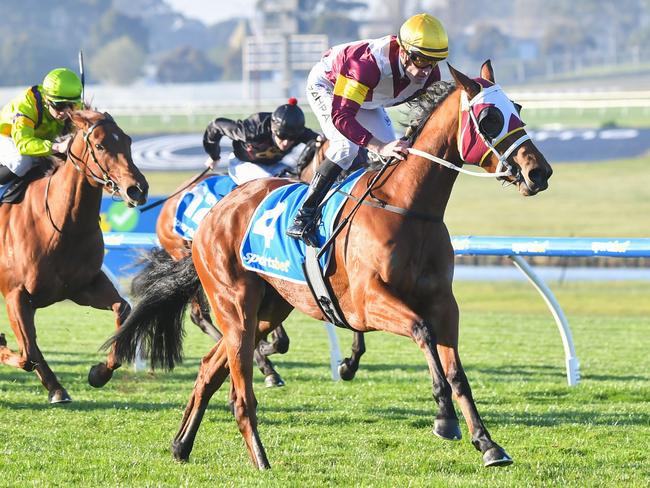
<point>265,225</point>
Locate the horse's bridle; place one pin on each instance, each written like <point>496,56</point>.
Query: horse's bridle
<point>466,105</point>
<point>504,168</point>
<point>105,181</point>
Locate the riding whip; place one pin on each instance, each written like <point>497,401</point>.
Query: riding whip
<point>82,75</point>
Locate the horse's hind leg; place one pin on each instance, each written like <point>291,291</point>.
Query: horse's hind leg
<point>349,366</point>
<point>446,326</point>
<point>240,326</point>
<point>101,294</point>
<point>21,318</point>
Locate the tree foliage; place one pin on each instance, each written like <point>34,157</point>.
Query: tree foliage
<point>186,64</point>
<point>119,62</point>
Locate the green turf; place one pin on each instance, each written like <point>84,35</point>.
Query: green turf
<point>374,431</point>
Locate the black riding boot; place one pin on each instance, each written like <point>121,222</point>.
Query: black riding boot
<point>6,175</point>
<point>303,224</point>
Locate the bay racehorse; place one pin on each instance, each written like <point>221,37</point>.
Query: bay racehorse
<point>392,269</point>
<point>177,248</point>
<point>51,245</point>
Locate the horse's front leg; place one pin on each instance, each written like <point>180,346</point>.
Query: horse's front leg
<point>445,323</point>
<point>212,373</point>
<point>200,315</point>
<point>21,317</point>
<point>101,294</point>
<point>385,311</point>
<point>349,366</point>
<point>279,344</point>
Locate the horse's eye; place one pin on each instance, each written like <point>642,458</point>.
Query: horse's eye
<point>99,147</point>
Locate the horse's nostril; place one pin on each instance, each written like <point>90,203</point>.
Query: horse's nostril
<point>134,193</point>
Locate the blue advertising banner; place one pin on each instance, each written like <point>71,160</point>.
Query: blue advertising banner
<point>115,216</point>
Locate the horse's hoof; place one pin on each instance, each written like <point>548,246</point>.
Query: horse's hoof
<point>496,456</point>
<point>3,340</point>
<point>447,429</point>
<point>99,375</point>
<point>273,380</point>
<point>59,396</point>
<point>346,372</point>
<point>179,453</point>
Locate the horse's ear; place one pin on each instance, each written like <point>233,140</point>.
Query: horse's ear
<point>79,121</point>
<point>470,86</point>
<point>487,73</point>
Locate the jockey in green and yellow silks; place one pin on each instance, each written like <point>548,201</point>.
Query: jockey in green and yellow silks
<point>30,123</point>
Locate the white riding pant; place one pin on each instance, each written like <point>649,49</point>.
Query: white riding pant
<point>243,171</point>
<point>12,159</point>
<point>341,150</point>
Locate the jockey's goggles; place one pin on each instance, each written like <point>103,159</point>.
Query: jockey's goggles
<point>285,136</point>
<point>421,62</point>
<point>61,105</point>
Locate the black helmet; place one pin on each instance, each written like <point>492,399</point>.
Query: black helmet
<point>288,121</point>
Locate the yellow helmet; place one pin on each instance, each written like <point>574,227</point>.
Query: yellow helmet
<point>425,36</point>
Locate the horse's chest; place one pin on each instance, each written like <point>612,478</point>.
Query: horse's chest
<point>65,268</point>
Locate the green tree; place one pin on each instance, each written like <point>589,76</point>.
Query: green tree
<point>186,64</point>
<point>119,62</point>
<point>114,25</point>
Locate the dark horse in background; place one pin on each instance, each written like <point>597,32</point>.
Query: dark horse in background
<point>390,270</point>
<point>51,245</point>
<point>178,248</point>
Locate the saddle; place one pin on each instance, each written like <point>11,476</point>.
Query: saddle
<point>14,191</point>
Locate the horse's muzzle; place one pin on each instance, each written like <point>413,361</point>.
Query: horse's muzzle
<point>136,195</point>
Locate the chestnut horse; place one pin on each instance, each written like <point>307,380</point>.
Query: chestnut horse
<point>178,248</point>
<point>392,268</point>
<point>51,245</point>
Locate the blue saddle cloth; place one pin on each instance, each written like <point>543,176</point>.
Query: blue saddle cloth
<point>266,249</point>
<point>198,201</point>
<point>4,188</point>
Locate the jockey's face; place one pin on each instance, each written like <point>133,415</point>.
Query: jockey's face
<point>283,144</point>
<point>59,110</point>
<point>417,68</point>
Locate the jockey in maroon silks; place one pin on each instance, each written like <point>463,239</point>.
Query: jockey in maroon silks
<point>348,90</point>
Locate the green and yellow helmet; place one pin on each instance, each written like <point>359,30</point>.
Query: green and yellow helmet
<point>424,35</point>
<point>62,85</point>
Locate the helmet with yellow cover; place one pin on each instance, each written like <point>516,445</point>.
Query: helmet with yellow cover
<point>423,36</point>
<point>62,85</point>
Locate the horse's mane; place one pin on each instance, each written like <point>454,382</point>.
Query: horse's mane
<point>420,109</point>
<point>54,162</point>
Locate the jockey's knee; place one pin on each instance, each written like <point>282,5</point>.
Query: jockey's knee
<point>342,153</point>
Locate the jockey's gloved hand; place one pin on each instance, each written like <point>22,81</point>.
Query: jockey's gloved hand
<point>212,163</point>
<point>60,146</point>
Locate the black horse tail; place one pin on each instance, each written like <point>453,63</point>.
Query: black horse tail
<point>154,328</point>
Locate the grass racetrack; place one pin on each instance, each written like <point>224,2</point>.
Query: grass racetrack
<point>376,430</point>
<point>373,431</point>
